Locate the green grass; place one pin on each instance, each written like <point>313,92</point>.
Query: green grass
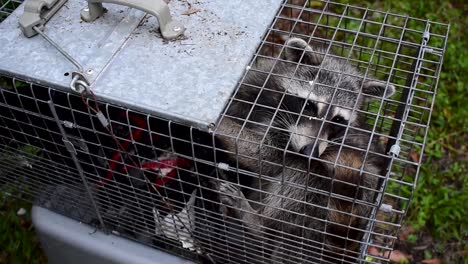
<point>18,243</point>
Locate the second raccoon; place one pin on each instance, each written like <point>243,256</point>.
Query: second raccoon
<point>299,102</point>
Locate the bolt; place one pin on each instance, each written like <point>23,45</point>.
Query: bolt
<point>90,71</point>
<point>211,128</point>
<point>177,28</point>
<point>86,9</point>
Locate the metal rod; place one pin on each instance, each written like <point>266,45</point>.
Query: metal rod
<point>57,46</point>
<point>77,165</point>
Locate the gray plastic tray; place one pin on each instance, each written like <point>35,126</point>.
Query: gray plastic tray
<point>68,241</point>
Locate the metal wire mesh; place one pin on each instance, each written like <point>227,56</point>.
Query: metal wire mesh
<point>261,187</point>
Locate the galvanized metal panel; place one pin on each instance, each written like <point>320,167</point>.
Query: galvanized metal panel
<point>187,80</point>
<point>92,44</point>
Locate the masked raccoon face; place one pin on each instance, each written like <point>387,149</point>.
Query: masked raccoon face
<point>323,99</point>
<point>310,124</point>
<point>305,99</point>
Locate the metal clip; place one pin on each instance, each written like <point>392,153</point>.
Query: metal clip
<point>37,13</point>
<point>395,150</point>
<point>68,124</point>
<point>387,208</point>
<point>223,166</point>
<point>427,33</point>
<point>102,119</point>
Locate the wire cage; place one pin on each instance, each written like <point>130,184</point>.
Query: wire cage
<point>314,159</point>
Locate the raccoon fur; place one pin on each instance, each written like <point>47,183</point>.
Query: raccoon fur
<point>314,211</point>
<point>282,105</point>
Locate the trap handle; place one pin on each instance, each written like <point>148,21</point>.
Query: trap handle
<point>37,13</point>
<point>169,28</point>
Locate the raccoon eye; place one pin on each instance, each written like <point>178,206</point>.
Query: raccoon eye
<point>339,119</point>
<point>311,106</point>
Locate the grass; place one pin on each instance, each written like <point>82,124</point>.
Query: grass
<point>437,215</point>
<point>18,243</point>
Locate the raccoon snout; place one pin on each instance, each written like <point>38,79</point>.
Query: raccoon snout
<point>303,138</point>
<point>307,150</point>
<point>316,152</point>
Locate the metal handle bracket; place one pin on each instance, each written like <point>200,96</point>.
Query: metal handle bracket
<point>37,13</point>
<point>169,28</point>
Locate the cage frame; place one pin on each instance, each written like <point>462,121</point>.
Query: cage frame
<point>420,68</point>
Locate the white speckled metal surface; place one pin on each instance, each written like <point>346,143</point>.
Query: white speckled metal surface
<point>187,80</point>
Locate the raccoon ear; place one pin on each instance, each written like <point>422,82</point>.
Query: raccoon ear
<point>296,47</point>
<point>377,89</point>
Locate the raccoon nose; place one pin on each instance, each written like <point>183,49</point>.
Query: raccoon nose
<point>307,150</point>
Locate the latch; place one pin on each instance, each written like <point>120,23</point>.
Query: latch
<point>32,22</point>
<point>37,13</point>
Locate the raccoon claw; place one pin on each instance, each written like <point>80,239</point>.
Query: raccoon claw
<point>229,188</point>
<point>232,199</point>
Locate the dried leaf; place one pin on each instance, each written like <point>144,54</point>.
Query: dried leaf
<point>432,261</point>
<point>399,257</point>
<point>414,156</point>
<point>191,11</point>
<point>405,231</point>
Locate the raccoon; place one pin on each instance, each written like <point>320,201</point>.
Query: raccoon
<point>282,104</point>
<point>312,203</point>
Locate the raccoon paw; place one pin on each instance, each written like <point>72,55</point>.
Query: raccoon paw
<point>232,200</point>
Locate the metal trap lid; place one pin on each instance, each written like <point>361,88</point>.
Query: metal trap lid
<point>129,63</point>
